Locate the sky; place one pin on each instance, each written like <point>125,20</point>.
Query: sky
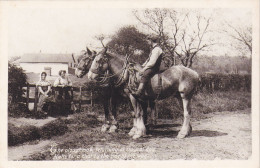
<point>68,30</point>
<point>62,30</point>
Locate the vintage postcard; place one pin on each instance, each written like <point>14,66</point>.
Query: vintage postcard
<point>129,83</point>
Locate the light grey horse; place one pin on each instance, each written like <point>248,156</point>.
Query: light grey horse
<point>178,80</point>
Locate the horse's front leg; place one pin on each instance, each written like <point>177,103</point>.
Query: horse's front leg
<point>106,124</point>
<point>114,123</point>
<point>138,129</point>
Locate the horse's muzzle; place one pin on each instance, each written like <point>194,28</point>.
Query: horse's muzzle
<point>92,76</point>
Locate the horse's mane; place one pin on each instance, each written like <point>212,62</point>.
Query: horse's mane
<point>121,57</point>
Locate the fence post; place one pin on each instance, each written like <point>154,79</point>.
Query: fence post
<point>27,95</point>
<point>80,97</point>
<point>72,96</point>
<point>35,99</point>
<point>91,100</point>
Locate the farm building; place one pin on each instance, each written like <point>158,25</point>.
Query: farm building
<point>50,63</point>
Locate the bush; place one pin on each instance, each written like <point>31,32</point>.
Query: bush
<point>223,82</point>
<point>18,135</point>
<point>204,103</point>
<point>18,110</point>
<point>16,80</point>
<point>21,134</point>
<point>57,127</point>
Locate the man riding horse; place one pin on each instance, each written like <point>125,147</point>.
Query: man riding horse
<point>151,65</point>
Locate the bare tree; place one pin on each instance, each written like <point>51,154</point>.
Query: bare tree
<point>182,35</point>
<point>242,34</point>
<point>101,38</point>
<point>193,42</point>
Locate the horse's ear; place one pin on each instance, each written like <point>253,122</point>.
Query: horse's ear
<point>89,52</point>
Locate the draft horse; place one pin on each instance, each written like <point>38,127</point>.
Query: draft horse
<point>178,80</point>
<point>109,93</point>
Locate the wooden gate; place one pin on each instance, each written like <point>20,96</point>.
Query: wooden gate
<point>80,101</point>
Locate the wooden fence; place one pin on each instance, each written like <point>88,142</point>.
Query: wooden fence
<point>209,83</point>
<point>80,101</point>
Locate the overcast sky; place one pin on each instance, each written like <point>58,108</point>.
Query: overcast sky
<point>32,30</point>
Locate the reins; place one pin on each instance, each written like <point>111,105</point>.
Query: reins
<point>105,77</point>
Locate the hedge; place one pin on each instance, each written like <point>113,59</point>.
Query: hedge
<point>224,82</point>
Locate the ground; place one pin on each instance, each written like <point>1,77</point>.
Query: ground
<point>219,135</point>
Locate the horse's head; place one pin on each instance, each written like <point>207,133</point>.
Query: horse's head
<point>84,63</point>
<point>99,65</point>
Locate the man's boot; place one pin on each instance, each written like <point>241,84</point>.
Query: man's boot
<point>140,92</point>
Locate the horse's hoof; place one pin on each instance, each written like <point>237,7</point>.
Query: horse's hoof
<point>181,136</point>
<point>132,132</point>
<point>104,128</point>
<point>112,129</point>
<point>139,133</point>
<point>136,136</point>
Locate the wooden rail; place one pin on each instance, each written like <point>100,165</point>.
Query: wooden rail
<point>56,89</point>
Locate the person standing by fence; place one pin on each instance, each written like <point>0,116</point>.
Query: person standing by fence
<point>44,87</point>
<point>63,97</point>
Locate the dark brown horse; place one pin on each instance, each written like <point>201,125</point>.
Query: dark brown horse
<point>178,80</point>
<point>109,93</point>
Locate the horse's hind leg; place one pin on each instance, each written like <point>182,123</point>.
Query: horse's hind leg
<point>186,127</point>
<point>145,106</point>
<point>154,113</point>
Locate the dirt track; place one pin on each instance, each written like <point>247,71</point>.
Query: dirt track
<point>222,135</point>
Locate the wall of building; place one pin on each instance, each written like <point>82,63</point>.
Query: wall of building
<point>39,67</point>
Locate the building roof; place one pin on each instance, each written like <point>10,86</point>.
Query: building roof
<point>46,58</point>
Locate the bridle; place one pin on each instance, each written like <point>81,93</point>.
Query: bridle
<point>106,76</point>
<point>86,60</point>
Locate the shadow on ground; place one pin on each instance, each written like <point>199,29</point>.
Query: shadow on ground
<point>207,133</point>
<point>171,131</point>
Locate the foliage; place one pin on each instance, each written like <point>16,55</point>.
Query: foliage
<point>129,41</point>
<point>204,103</point>
<point>22,134</point>
<point>53,128</point>
<point>221,64</point>
<point>16,80</point>
<point>18,110</point>
<point>18,135</point>
<point>225,82</point>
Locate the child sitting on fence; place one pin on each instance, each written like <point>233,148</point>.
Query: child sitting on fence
<point>44,87</point>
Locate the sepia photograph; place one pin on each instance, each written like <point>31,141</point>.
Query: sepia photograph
<point>118,82</point>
